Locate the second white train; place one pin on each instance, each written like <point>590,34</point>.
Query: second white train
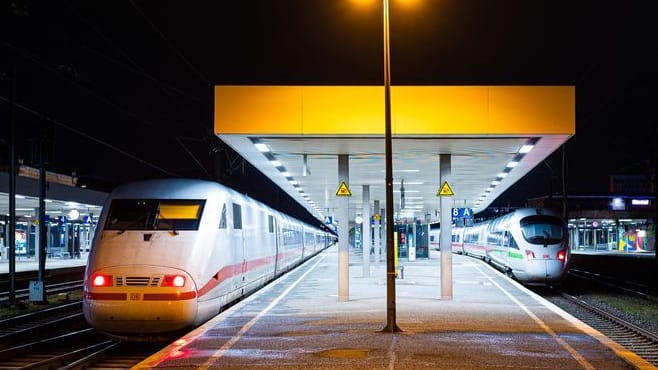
<point>529,244</point>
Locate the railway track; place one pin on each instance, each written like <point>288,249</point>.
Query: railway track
<point>632,337</point>
<point>59,337</point>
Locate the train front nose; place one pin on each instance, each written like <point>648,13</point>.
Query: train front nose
<point>547,270</point>
<point>144,300</point>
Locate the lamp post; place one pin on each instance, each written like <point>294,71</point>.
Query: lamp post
<point>391,325</point>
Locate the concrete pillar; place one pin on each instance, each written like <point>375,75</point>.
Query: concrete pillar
<point>446,228</point>
<point>366,230</point>
<point>343,231</point>
<point>376,244</point>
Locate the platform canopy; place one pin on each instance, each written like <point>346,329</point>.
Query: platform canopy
<point>293,135</point>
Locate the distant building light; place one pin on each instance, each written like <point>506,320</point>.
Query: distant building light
<point>618,204</point>
<point>74,214</point>
<point>640,202</point>
<point>526,148</point>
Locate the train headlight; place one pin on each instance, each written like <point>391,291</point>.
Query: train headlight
<point>173,280</point>
<point>562,255</point>
<point>101,280</point>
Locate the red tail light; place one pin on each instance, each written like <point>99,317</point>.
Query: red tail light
<point>562,255</point>
<point>101,280</point>
<point>173,281</point>
<point>529,254</point>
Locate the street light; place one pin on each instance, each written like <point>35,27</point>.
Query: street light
<point>391,325</point>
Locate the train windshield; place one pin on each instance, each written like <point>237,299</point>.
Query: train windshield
<point>542,229</point>
<point>154,214</point>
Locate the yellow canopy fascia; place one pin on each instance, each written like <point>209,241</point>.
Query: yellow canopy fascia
<point>416,110</point>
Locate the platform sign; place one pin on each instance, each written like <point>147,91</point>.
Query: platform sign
<point>464,213</point>
<point>343,190</point>
<point>36,290</point>
<point>445,190</point>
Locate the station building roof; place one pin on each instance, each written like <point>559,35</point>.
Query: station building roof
<point>293,135</point>
<point>61,198</point>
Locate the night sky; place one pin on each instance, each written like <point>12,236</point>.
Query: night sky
<point>124,89</point>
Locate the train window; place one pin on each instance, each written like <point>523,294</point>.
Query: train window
<point>542,229</point>
<point>222,218</point>
<point>270,223</point>
<point>154,214</point>
<point>237,216</point>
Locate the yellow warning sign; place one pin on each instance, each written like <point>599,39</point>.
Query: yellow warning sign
<point>445,190</point>
<point>377,217</point>
<point>343,190</point>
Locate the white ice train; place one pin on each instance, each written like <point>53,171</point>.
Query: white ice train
<point>169,254</point>
<point>529,244</point>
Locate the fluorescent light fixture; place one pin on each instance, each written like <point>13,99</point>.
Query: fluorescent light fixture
<point>262,147</point>
<point>276,163</point>
<point>402,171</point>
<point>640,202</point>
<point>495,182</point>
<point>502,175</point>
<point>294,182</point>
<point>285,173</point>
<point>19,196</point>
<point>526,148</point>
<point>512,164</point>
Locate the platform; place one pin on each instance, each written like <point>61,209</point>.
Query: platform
<point>298,322</point>
<point>31,264</point>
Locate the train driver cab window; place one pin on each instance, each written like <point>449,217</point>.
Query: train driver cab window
<point>222,218</point>
<point>154,214</point>
<point>542,229</point>
<point>237,216</point>
<point>178,215</point>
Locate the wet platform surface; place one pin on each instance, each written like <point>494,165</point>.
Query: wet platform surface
<point>298,322</point>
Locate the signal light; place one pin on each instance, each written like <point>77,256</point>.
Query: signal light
<point>101,280</point>
<point>562,255</point>
<point>173,280</point>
